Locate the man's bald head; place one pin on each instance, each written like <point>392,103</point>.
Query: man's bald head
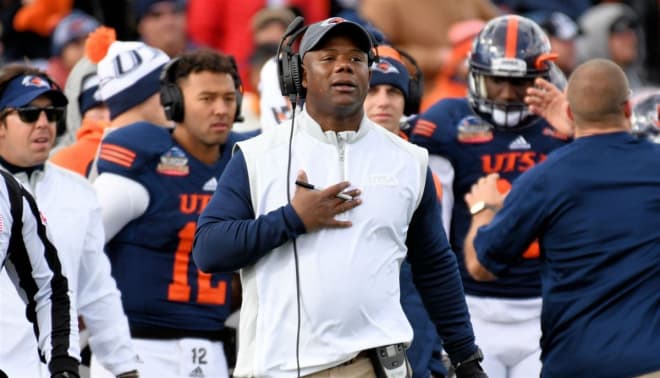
<point>597,93</point>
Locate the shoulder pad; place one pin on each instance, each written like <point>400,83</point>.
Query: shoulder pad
<point>130,147</point>
<point>440,121</point>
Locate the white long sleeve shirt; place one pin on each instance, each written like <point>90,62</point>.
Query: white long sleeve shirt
<point>73,214</point>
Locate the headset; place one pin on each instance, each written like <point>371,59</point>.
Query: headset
<point>415,85</point>
<point>60,125</point>
<point>171,97</point>
<point>289,63</point>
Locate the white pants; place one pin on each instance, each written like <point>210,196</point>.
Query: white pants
<point>182,358</point>
<point>508,331</point>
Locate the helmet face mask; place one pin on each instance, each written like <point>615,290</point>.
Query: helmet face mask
<point>510,48</point>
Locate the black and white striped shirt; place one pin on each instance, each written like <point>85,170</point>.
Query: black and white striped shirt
<point>35,269</point>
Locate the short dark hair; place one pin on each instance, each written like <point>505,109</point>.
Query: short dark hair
<point>205,59</point>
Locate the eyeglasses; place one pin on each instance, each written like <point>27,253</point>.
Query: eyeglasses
<point>30,114</point>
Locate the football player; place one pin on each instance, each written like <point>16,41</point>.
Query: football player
<point>493,131</point>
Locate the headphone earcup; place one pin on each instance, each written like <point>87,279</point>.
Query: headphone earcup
<point>239,102</point>
<point>283,73</point>
<point>172,101</point>
<point>414,99</point>
<point>296,76</point>
<point>289,68</point>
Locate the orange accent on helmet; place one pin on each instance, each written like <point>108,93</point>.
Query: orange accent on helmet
<point>541,59</point>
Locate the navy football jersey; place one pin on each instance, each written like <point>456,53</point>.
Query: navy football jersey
<point>451,129</point>
<point>151,256</point>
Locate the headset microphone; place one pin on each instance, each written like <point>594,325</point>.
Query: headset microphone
<point>293,27</point>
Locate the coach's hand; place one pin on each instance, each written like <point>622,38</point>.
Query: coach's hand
<point>471,369</point>
<point>318,208</point>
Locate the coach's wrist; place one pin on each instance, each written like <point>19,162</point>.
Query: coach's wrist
<point>476,356</point>
<point>471,367</point>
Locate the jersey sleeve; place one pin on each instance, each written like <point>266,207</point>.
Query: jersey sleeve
<point>504,240</point>
<point>435,129</point>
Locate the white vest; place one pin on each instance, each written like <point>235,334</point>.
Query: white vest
<point>349,278</point>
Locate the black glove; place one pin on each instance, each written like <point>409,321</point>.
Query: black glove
<point>471,369</point>
<point>129,374</point>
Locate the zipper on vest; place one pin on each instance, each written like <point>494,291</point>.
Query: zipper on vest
<point>341,147</point>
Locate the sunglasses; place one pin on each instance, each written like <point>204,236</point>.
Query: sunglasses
<point>30,114</point>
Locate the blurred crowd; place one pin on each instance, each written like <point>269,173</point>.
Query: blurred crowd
<point>50,34</point>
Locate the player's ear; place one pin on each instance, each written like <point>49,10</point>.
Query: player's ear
<point>627,109</point>
<point>569,113</point>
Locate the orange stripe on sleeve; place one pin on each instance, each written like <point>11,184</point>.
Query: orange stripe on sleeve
<point>423,132</point>
<point>115,160</point>
<point>427,123</point>
<point>106,153</point>
<point>119,149</point>
<point>511,38</point>
<point>424,128</point>
<point>117,155</point>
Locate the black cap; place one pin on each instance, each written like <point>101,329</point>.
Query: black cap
<point>316,32</point>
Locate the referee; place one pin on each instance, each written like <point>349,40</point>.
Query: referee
<point>34,268</point>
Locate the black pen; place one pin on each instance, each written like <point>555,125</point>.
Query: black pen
<point>306,185</point>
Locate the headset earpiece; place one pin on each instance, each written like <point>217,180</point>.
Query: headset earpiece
<point>289,63</point>
<point>171,97</point>
<point>415,86</point>
<point>238,84</point>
